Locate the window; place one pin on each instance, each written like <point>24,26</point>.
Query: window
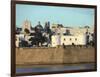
<point>75,39</point>
<point>70,39</point>
<point>64,39</point>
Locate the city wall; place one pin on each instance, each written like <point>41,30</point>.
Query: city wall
<point>54,55</point>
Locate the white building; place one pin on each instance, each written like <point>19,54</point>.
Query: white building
<point>21,37</point>
<point>69,36</point>
<point>18,38</point>
<point>71,30</point>
<point>68,40</point>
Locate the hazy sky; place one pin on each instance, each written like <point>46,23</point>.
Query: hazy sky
<point>68,16</point>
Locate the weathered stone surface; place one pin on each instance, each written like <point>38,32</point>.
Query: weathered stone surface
<point>54,55</point>
<point>39,55</point>
<point>78,55</point>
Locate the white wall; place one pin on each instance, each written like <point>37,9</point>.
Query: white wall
<point>5,52</point>
<point>80,40</point>
<point>68,40</point>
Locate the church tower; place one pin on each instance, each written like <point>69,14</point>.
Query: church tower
<point>26,25</point>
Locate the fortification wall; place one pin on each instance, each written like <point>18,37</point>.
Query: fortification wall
<point>54,55</point>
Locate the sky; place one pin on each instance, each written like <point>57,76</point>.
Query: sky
<point>68,16</point>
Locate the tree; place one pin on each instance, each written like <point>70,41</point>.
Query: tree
<point>39,26</point>
<point>60,25</point>
<point>86,26</point>
<point>26,31</point>
<point>47,27</point>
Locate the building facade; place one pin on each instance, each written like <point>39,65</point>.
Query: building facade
<point>68,40</point>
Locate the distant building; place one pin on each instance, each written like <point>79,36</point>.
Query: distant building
<point>17,41</point>
<point>19,37</point>
<point>53,35</point>
<point>79,31</point>
<point>26,25</point>
<point>71,30</point>
<point>70,35</point>
<point>68,40</point>
<point>58,28</point>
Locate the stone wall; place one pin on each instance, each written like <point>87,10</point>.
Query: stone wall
<point>78,55</point>
<point>54,55</point>
<point>39,55</point>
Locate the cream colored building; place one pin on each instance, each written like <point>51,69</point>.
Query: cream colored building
<point>79,31</point>
<point>76,40</point>
<point>17,42</point>
<point>68,40</point>
<point>18,37</point>
<point>55,40</point>
<point>76,36</point>
<point>73,30</point>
